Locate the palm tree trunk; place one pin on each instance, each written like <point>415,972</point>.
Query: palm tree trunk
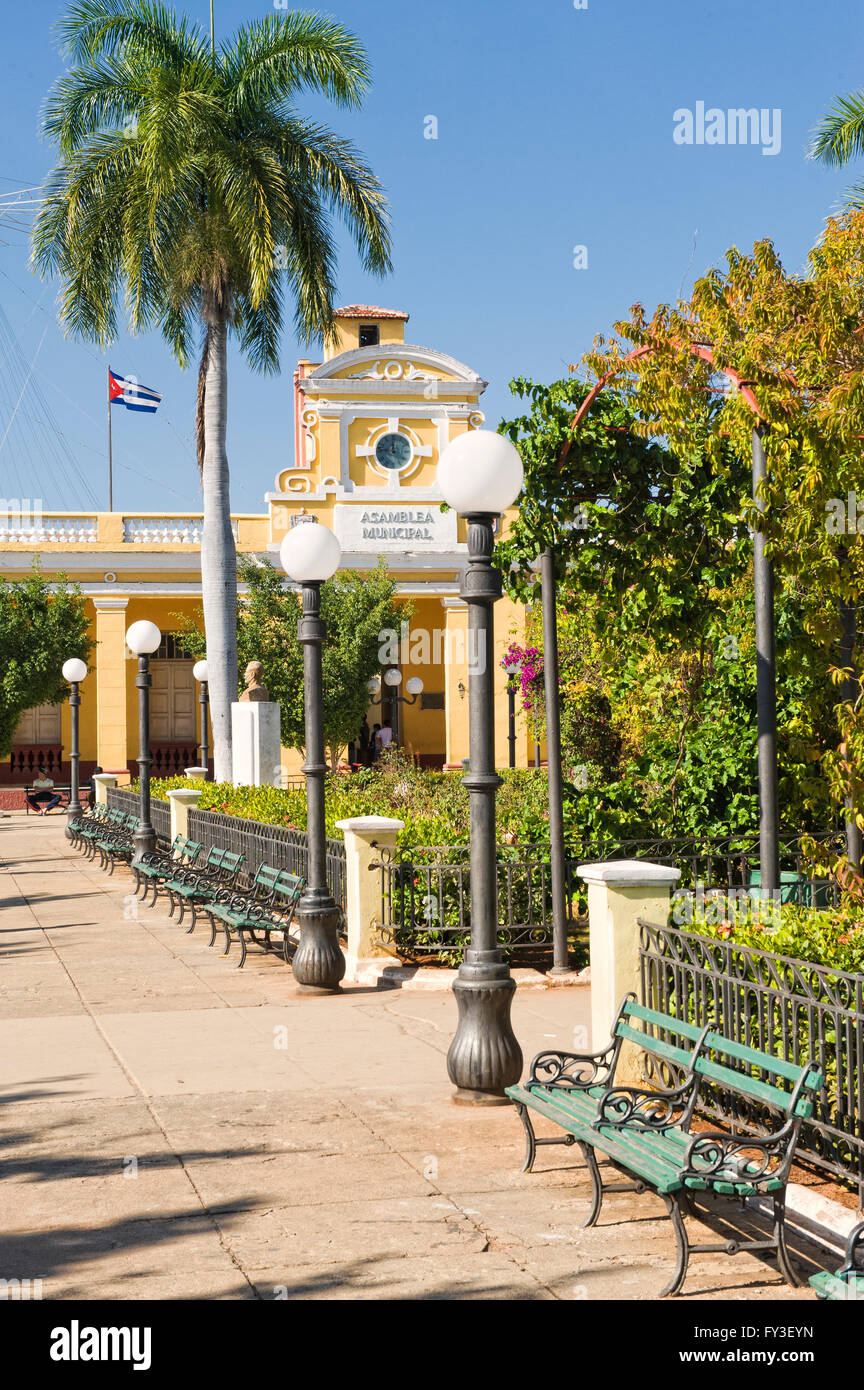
<point>218,555</point>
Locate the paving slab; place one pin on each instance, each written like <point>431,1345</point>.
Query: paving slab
<point>284,1146</point>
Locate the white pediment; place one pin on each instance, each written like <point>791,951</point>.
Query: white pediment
<point>393,364</point>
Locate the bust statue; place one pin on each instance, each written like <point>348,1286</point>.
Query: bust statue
<point>254,691</point>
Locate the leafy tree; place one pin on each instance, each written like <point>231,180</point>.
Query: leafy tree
<point>657,652</point>
<point>649,534</point>
<point>356,609</point>
<point>190,184</point>
<point>784,349</point>
<point>41,626</point>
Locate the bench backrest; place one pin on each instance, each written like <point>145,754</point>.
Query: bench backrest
<point>223,863</point>
<point>711,1056</point>
<point>270,883</point>
<point>679,1052</point>
<point>185,851</point>
<point>795,1099</point>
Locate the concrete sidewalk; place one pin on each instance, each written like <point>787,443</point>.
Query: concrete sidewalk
<point>172,1127</point>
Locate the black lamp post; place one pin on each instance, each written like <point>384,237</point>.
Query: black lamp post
<point>480,475</point>
<point>74,672</point>
<point>143,639</point>
<point>199,671</point>
<point>766,685</point>
<point>560,964</point>
<point>512,672</point>
<point>393,680</point>
<point>310,554</point>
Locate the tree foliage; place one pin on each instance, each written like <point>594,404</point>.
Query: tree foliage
<point>41,626</point>
<point>755,344</point>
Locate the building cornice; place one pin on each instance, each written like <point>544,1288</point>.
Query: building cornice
<point>393,352</point>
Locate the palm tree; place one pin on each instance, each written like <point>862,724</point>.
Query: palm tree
<point>189,186</point>
<point>839,138</point>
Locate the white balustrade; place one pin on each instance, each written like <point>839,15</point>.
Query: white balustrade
<point>172,530</point>
<point>43,529</point>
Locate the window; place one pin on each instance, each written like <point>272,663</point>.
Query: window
<point>432,699</point>
<point>370,335</point>
<point>171,649</point>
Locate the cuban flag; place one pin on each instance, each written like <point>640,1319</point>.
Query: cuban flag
<point>126,391</point>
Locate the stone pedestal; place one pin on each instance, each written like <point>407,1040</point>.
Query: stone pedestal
<point>365,839</point>
<point>182,800</point>
<point>619,892</point>
<point>255,736</point>
<point>102,781</point>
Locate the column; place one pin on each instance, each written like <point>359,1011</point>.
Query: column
<point>111,748</point>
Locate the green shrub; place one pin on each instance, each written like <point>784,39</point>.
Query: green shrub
<point>833,937</point>
<point>433,805</point>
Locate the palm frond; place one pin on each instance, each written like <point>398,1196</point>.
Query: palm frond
<point>839,137</point>
<point>353,191</point>
<point>91,28</point>
<point>278,55</point>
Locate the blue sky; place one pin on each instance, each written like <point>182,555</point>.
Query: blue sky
<point>555,130</point>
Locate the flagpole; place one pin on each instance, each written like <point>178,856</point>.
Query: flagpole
<point>110,461</point>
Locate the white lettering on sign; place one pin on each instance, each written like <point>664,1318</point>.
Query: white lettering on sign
<point>377,528</point>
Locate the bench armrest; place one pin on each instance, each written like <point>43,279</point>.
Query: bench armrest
<point>741,1157</point>
<point>622,1106</point>
<point>850,1262</point>
<point>564,1068</point>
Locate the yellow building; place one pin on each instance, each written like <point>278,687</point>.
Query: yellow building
<point>370,422</point>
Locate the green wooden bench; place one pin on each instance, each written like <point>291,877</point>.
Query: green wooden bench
<point>98,826</point>
<point>848,1282</point>
<point>152,871</point>
<point>117,843</point>
<point>81,825</point>
<point>195,886</point>
<point>267,906</point>
<point>646,1134</point>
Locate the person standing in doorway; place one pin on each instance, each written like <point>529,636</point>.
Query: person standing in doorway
<point>384,737</point>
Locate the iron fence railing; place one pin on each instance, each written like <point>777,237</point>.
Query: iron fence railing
<point>426,898</point>
<point>266,844</point>
<point>796,1010</point>
<point>426,901</point>
<point>122,799</point>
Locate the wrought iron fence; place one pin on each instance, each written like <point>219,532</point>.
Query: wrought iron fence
<point>122,799</point>
<point>425,890</point>
<point>426,901</point>
<point>796,1010</point>
<point>266,844</point>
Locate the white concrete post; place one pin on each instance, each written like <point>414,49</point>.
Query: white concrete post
<point>619,891</point>
<point>103,781</point>
<point>183,800</point>
<point>365,838</point>
<point>196,774</point>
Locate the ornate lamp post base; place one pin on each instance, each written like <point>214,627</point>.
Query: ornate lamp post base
<point>318,963</point>
<point>144,841</point>
<point>484,1056</point>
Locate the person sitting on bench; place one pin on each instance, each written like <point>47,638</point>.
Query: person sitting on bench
<point>43,792</point>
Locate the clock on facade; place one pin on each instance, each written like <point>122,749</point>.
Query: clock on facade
<point>393,451</point>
